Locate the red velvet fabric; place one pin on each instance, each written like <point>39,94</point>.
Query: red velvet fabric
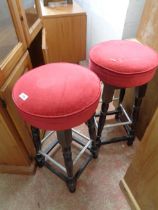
<point>57,96</point>
<point>123,63</point>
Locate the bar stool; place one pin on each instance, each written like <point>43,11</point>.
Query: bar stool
<point>122,64</point>
<point>58,97</point>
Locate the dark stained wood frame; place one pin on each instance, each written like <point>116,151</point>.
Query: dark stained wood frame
<point>107,95</point>
<point>65,139</point>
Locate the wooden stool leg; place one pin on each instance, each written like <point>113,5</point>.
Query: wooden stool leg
<point>107,95</point>
<point>46,2</point>
<point>65,139</point>
<point>93,136</point>
<point>40,160</point>
<point>121,97</point>
<point>139,94</point>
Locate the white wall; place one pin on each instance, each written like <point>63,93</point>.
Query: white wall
<point>133,16</point>
<point>105,19</point>
<point>111,19</point>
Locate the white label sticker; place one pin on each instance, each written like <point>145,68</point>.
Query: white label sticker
<point>23,96</point>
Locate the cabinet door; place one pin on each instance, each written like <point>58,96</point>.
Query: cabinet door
<point>12,151</point>
<point>31,22</point>
<point>66,38</point>
<point>12,41</point>
<point>6,94</point>
<point>141,179</point>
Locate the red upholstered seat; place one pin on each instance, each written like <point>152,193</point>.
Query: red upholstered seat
<point>123,63</point>
<point>57,96</point>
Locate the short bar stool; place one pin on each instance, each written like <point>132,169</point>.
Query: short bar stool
<point>122,64</point>
<point>58,97</point>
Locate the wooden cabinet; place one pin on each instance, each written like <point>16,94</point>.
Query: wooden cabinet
<point>12,40</point>
<point>29,16</point>
<point>141,179</point>
<point>19,26</point>
<point>12,151</point>
<point>17,149</point>
<point>65,32</point>
<point>6,95</point>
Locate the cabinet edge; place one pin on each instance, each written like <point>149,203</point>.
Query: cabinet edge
<point>128,194</point>
<point>25,170</point>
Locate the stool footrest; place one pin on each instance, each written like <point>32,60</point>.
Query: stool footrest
<point>128,122</point>
<point>60,175</point>
<point>77,140</point>
<point>81,152</point>
<point>59,169</point>
<point>85,137</point>
<point>115,140</point>
<point>51,146</point>
<point>65,178</point>
<point>53,161</point>
<point>82,167</point>
<point>108,113</point>
<point>46,137</point>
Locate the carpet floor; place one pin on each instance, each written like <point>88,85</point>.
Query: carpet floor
<point>97,188</point>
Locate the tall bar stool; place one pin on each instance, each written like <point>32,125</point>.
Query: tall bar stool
<point>58,97</point>
<point>122,64</point>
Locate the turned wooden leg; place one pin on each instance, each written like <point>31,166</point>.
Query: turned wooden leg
<point>36,138</point>
<point>93,137</point>
<point>107,95</point>
<point>46,2</point>
<point>139,94</point>
<point>40,160</point>
<point>65,139</point>
<point>121,97</point>
<point>69,1</point>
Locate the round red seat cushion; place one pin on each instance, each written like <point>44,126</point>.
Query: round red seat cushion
<point>123,63</point>
<point>57,96</point>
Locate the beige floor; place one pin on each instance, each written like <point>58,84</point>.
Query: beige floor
<point>97,188</point>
